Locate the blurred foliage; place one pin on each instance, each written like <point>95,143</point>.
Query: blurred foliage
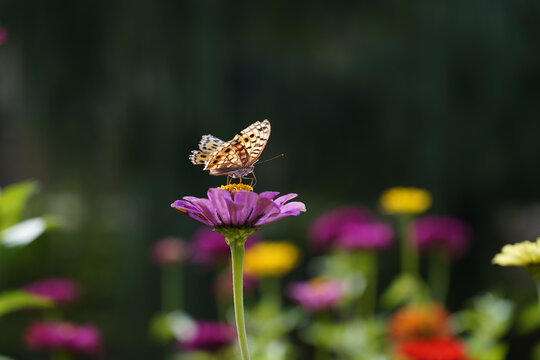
<point>404,288</point>
<point>13,199</point>
<point>102,102</point>
<point>354,340</point>
<point>528,318</point>
<point>485,323</point>
<point>17,300</point>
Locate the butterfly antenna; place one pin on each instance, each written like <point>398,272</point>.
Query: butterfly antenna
<point>272,158</point>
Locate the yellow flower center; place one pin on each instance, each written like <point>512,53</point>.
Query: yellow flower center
<point>236,187</point>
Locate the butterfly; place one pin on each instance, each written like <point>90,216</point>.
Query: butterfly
<point>235,158</point>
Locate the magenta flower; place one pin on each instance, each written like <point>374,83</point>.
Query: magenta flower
<point>239,209</point>
<point>3,35</point>
<point>209,336</point>
<point>209,247</point>
<point>59,290</point>
<point>328,226</point>
<point>365,236</point>
<point>448,233</point>
<point>317,294</point>
<point>54,336</point>
<point>169,251</point>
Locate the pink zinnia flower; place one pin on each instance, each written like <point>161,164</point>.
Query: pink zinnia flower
<point>54,336</point>
<point>209,336</point>
<point>328,226</point>
<point>169,251</point>
<point>365,236</point>
<point>239,209</point>
<point>317,294</point>
<point>443,232</point>
<point>59,290</point>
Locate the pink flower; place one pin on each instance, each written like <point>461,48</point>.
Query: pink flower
<point>169,251</point>
<point>317,294</point>
<point>365,236</point>
<point>209,336</point>
<point>60,290</point>
<point>328,226</point>
<point>239,209</point>
<point>443,232</point>
<point>73,338</point>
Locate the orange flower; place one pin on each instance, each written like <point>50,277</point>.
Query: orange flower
<point>418,320</point>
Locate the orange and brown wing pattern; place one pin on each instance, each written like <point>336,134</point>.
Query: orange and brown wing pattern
<point>224,158</point>
<point>255,137</point>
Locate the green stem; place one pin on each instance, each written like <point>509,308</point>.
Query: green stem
<point>538,293</point>
<point>237,256</point>
<point>171,288</point>
<point>371,290</point>
<point>271,292</point>
<point>367,265</point>
<point>409,251</point>
<point>60,355</point>
<point>322,353</point>
<point>439,275</point>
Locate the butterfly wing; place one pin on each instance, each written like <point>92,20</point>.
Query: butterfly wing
<point>208,145</point>
<point>255,137</point>
<point>198,157</point>
<point>224,159</point>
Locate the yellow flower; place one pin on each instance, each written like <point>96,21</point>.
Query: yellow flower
<point>270,259</point>
<point>405,200</point>
<point>525,253</point>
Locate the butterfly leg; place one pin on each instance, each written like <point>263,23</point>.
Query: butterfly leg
<point>253,180</point>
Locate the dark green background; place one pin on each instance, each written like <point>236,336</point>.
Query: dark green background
<point>102,101</point>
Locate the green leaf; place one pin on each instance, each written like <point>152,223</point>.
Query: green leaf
<point>403,289</point>
<point>14,300</point>
<point>528,319</point>
<point>24,232</point>
<point>13,199</point>
<point>2,357</point>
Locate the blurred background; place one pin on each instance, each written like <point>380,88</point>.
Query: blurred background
<point>102,102</point>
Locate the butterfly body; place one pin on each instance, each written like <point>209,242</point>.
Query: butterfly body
<point>235,158</point>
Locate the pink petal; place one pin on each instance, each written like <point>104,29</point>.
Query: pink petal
<point>294,206</point>
<point>219,198</point>
<point>283,199</point>
<point>206,208</point>
<point>269,194</point>
<point>263,208</point>
<point>248,201</point>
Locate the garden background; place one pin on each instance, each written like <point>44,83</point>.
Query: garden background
<point>102,102</point>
